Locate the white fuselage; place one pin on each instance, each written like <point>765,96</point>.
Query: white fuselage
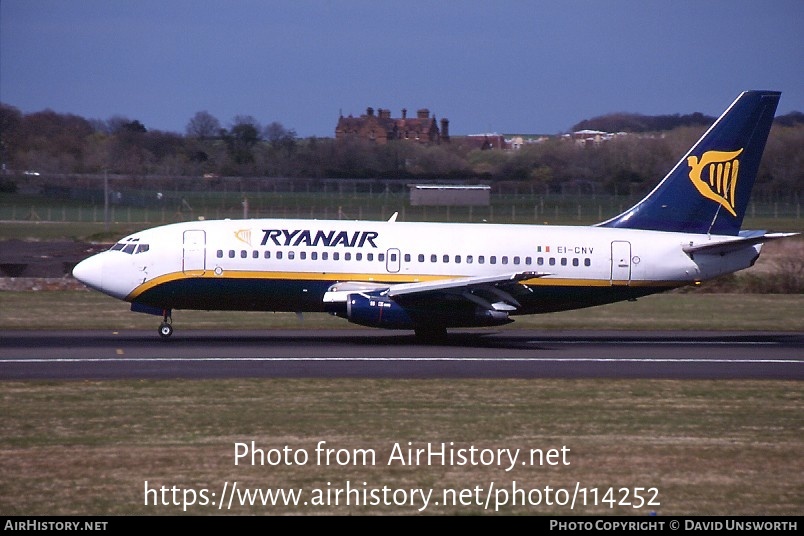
<point>288,265</point>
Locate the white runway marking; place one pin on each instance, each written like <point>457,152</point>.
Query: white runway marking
<point>402,359</point>
<point>662,343</point>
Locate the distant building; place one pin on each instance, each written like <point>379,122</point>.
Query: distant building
<point>518,141</point>
<point>381,128</point>
<point>485,142</point>
<point>590,137</point>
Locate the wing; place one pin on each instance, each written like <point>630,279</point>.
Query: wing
<point>493,293</point>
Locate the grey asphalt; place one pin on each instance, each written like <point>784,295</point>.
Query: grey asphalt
<point>358,353</point>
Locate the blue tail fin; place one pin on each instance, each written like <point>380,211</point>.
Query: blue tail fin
<point>708,190</point>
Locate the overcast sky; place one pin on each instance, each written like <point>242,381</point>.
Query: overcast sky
<point>506,66</point>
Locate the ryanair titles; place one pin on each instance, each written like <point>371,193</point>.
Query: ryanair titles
<point>305,237</point>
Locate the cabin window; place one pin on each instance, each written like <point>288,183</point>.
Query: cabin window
<point>421,257</point>
<point>481,259</point>
<point>407,257</point>
<point>302,255</point>
<point>505,259</point>
<point>528,261</point>
<point>493,259</point>
<point>446,258</point>
<point>255,254</point>
<point>469,259</point>
<point>381,257</point>
<point>575,262</point>
<point>129,248</point>
<point>433,258</point>
<point>231,254</point>
<point>457,259</point>
<point>552,261</point>
<point>314,255</point>
<point>540,261</point>
<point>516,260</point>
<point>369,256</point>
<point>267,254</point>
<point>219,254</point>
<point>324,256</point>
<point>291,255</point>
<point>358,256</point>
<point>587,262</point>
<point>243,253</point>
<point>563,261</point>
<point>335,256</point>
<point>278,254</point>
<point>347,256</point>
<point>143,248</point>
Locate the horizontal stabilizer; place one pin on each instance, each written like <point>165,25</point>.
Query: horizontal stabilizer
<point>727,246</point>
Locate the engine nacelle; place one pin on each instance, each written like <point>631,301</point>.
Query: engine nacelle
<point>376,312</point>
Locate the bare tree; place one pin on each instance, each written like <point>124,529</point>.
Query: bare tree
<point>277,135</point>
<point>203,126</point>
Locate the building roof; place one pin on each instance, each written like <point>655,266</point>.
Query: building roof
<point>381,127</point>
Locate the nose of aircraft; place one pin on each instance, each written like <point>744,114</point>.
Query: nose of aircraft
<point>90,271</point>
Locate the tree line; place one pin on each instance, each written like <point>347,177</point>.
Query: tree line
<point>55,143</point>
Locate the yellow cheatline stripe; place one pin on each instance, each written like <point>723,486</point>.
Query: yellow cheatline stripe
<point>286,276</point>
<point>384,278</point>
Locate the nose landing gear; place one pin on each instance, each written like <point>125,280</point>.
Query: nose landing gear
<point>166,327</point>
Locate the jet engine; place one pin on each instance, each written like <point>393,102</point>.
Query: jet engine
<point>376,312</point>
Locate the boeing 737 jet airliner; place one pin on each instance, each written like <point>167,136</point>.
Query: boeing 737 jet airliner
<point>428,277</point>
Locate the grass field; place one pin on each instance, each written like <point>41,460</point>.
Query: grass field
<point>726,448</point>
<point>675,310</point>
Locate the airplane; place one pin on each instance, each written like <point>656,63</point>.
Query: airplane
<point>429,277</point>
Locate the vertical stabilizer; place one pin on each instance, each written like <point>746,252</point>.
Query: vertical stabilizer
<point>708,189</point>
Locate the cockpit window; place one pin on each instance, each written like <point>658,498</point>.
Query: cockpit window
<point>130,246</point>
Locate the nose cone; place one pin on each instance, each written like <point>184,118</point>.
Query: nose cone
<point>90,272</point>
<point>110,272</point>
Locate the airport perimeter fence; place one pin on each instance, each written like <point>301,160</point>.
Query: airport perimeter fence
<point>159,201</point>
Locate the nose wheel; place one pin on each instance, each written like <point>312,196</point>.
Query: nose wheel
<point>166,327</point>
<point>165,330</point>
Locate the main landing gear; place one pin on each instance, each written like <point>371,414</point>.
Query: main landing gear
<point>166,327</point>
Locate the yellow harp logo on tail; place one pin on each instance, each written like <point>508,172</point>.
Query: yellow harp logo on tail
<point>715,176</point>
<point>244,235</point>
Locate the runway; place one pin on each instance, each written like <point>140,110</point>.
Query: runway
<point>84,355</point>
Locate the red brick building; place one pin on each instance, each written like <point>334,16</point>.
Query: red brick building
<point>381,128</point>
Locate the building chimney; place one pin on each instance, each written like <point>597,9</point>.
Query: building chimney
<point>369,111</point>
<point>445,129</point>
<point>423,113</point>
<point>404,113</point>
